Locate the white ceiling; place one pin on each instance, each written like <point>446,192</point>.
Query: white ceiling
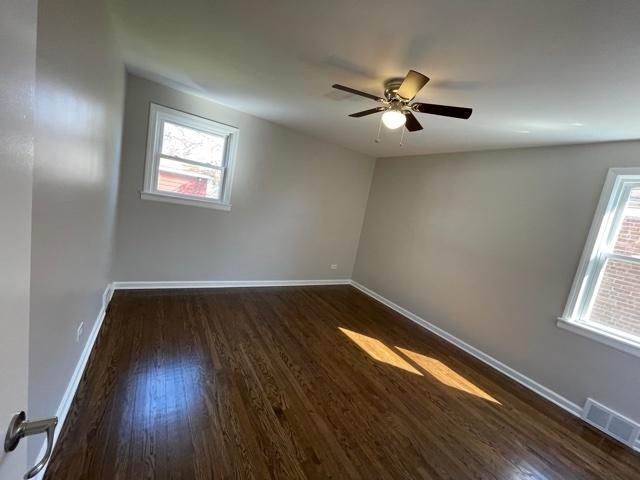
<point>536,72</point>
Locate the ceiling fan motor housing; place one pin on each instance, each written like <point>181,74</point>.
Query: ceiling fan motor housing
<point>391,87</point>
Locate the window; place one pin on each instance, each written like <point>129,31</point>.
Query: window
<point>189,159</point>
<point>604,302</point>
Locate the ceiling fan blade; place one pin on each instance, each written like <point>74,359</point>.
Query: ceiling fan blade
<point>357,92</point>
<point>412,124</point>
<point>444,110</point>
<point>368,112</point>
<point>412,84</point>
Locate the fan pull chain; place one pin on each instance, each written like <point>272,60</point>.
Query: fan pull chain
<point>377,140</point>
<point>402,136</point>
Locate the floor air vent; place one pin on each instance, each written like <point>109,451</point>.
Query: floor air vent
<point>611,422</point>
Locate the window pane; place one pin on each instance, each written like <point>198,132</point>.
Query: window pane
<point>617,302</point>
<point>190,144</point>
<point>628,239</point>
<point>187,179</point>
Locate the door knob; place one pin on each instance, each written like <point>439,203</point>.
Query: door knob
<point>20,427</point>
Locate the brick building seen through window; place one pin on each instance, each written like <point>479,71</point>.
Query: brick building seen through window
<point>180,183</point>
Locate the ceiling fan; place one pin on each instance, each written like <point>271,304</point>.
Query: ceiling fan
<point>396,103</point>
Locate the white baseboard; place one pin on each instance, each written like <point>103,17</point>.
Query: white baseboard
<point>522,379</point>
<point>227,284</point>
<point>480,355</point>
<point>70,392</point>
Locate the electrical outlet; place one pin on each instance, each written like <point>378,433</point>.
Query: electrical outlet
<point>79,331</point>
<point>334,266</point>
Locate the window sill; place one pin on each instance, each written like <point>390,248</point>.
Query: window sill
<point>616,341</point>
<point>194,202</point>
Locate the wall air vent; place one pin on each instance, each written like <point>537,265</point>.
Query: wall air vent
<point>610,422</point>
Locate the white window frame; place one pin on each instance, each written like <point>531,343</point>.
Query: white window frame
<point>158,114</point>
<point>599,248</point>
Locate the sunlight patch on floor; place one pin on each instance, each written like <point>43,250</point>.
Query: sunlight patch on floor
<point>446,375</point>
<point>379,351</point>
<point>408,360</point>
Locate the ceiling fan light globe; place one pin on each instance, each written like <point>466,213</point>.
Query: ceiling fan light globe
<point>393,119</point>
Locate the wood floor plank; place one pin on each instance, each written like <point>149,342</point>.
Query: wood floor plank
<point>306,383</point>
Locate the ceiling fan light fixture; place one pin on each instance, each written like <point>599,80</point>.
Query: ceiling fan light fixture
<point>393,119</point>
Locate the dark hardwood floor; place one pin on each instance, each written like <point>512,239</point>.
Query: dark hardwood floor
<point>312,382</point>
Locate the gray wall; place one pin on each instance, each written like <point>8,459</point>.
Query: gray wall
<point>485,245</point>
<point>297,204</point>
<point>79,102</point>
